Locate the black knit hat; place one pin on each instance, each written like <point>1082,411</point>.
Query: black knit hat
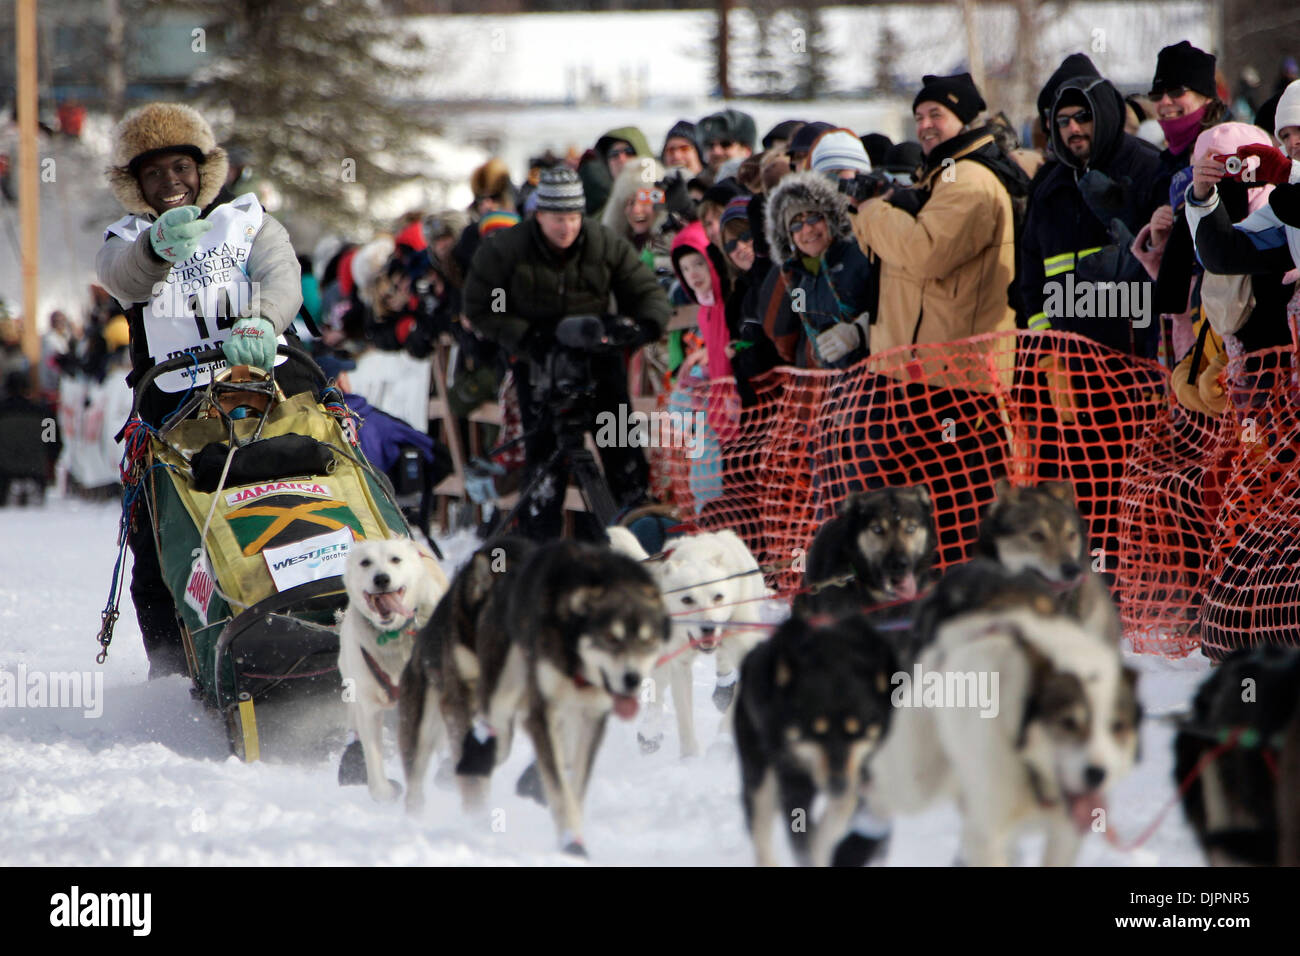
<point>560,190</point>
<point>806,135</point>
<point>1184,65</point>
<point>876,145</point>
<point>958,93</point>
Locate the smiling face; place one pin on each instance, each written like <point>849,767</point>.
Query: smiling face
<point>738,242</point>
<point>935,124</point>
<point>169,180</point>
<point>1170,106</point>
<point>810,238</point>
<point>640,216</point>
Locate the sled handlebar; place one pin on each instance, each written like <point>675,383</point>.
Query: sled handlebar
<point>191,359</point>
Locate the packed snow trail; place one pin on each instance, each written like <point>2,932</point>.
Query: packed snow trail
<point>150,781</point>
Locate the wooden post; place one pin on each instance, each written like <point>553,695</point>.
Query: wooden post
<point>28,173</point>
<point>724,39</point>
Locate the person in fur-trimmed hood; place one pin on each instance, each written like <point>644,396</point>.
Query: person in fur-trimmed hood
<point>811,240</point>
<point>196,269</point>
<point>195,266</point>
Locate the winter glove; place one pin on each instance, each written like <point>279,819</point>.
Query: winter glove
<point>1178,186</point>
<point>1211,391</point>
<point>251,342</point>
<point>1187,393</point>
<point>175,235</point>
<point>1059,387</point>
<point>842,339</point>
<point>622,330</point>
<point>1285,202</point>
<point>1108,199</point>
<point>1274,165</point>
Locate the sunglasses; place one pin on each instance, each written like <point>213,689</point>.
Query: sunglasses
<point>1081,117</point>
<point>653,196</point>
<point>1172,92</point>
<point>621,151</point>
<point>798,222</point>
<point>724,143</point>
<point>730,244</point>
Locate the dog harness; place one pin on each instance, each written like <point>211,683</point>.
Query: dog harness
<point>392,690</point>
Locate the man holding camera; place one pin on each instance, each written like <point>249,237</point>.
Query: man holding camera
<point>521,284</point>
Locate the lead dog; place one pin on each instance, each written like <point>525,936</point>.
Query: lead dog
<point>1064,730</point>
<point>713,590</point>
<point>568,638</point>
<point>393,586</point>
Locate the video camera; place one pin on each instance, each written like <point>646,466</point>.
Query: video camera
<point>565,381</point>
<point>864,186</point>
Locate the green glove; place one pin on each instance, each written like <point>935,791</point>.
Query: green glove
<point>252,342</point>
<point>175,235</point>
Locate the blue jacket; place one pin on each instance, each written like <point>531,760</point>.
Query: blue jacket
<point>381,435</point>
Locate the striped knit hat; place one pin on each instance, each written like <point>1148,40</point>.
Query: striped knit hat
<point>839,149</point>
<point>493,221</point>
<point>738,208</point>
<point>560,190</point>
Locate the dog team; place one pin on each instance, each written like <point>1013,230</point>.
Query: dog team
<point>558,635</point>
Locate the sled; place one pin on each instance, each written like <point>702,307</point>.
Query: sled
<point>255,500</point>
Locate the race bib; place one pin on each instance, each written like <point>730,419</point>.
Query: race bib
<point>204,295</point>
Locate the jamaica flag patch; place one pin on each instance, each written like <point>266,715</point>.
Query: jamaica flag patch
<point>283,519</point>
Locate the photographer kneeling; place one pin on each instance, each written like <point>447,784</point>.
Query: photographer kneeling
<point>522,282</point>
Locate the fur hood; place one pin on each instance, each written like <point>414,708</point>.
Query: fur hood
<point>806,190</point>
<point>155,127</point>
<point>636,173</point>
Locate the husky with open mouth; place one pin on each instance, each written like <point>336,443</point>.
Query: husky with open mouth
<point>881,546</point>
<point>714,592</point>
<point>1064,731</point>
<point>393,586</point>
<point>568,638</point>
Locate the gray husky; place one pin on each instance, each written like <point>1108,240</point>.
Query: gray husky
<point>561,641</point>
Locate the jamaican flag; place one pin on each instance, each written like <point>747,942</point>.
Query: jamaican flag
<point>283,519</point>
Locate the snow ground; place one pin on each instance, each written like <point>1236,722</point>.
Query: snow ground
<point>150,782</point>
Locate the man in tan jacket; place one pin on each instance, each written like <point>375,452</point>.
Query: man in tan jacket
<point>948,247</point>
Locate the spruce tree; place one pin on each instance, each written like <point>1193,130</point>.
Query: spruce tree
<point>308,91</point>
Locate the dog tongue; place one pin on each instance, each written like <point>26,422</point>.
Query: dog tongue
<point>390,603</point>
<point>625,705</point>
<point>1082,807</point>
<point>906,589</point>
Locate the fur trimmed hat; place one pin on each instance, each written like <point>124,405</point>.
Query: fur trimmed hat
<point>804,192</point>
<point>490,179</point>
<point>162,128</point>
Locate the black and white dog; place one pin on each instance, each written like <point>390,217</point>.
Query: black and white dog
<point>565,639</point>
<point>812,707</point>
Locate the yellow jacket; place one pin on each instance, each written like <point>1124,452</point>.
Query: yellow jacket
<point>945,271</point>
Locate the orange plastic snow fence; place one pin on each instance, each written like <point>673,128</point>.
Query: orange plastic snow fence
<point>1194,518</point>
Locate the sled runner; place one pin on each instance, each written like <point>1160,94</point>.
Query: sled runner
<point>255,500</point>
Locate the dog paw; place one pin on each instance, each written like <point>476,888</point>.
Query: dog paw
<point>352,766</point>
<point>722,696</point>
<point>477,758</point>
<point>857,849</point>
<point>388,792</point>
<point>650,745</point>
<point>529,785</point>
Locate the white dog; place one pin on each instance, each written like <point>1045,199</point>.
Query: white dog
<point>1062,730</point>
<point>393,586</point>
<point>714,592</point>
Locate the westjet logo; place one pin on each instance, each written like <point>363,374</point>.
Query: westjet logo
<point>330,552</point>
